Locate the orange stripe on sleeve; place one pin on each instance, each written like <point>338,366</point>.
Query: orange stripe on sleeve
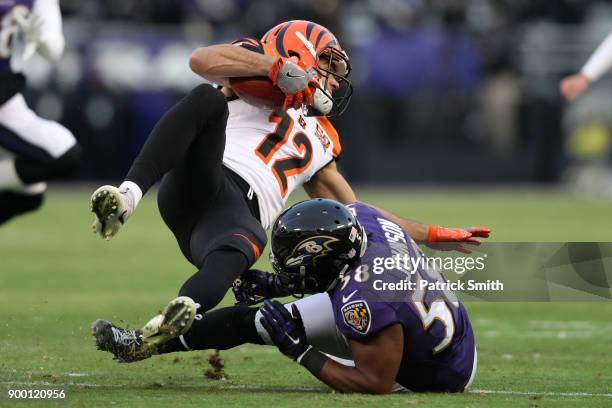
<point>332,133</point>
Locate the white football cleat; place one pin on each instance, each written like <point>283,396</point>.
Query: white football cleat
<point>174,320</point>
<point>112,208</point>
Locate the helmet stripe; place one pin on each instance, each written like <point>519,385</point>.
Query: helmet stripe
<point>266,35</point>
<point>309,28</point>
<point>330,44</point>
<point>280,47</point>
<point>321,34</point>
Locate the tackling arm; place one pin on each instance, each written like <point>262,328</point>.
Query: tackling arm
<point>377,358</point>
<point>377,362</point>
<point>329,183</point>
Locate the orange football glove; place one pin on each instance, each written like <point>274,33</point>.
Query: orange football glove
<point>296,82</point>
<point>454,238</point>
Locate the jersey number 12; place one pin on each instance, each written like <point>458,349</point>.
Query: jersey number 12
<point>284,167</point>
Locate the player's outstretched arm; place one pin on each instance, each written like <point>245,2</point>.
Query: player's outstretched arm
<point>598,64</point>
<point>377,359</point>
<point>329,183</point>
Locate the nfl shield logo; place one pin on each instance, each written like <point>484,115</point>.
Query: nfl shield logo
<point>357,316</point>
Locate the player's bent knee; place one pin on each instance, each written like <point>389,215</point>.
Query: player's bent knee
<point>208,97</point>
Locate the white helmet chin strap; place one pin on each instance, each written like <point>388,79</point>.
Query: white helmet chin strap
<point>322,101</point>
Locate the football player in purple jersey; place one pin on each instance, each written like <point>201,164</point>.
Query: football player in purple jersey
<point>33,150</point>
<point>350,334</point>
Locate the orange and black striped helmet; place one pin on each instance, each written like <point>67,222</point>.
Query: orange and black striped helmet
<point>315,46</point>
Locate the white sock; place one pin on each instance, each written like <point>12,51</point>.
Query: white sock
<point>8,175</point>
<point>133,190</point>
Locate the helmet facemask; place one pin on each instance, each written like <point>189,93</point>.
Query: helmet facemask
<point>332,62</point>
<point>319,53</point>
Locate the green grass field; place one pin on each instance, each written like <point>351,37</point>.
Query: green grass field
<point>56,277</point>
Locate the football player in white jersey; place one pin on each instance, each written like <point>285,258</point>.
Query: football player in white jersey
<point>227,169</point>
<point>32,150</point>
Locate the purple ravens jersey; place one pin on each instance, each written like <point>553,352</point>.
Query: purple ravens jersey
<point>438,339</point>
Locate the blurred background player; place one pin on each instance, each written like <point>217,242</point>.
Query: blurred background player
<point>228,167</point>
<point>374,341</point>
<point>598,64</point>
<point>32,149</point>
<point>590,172</point>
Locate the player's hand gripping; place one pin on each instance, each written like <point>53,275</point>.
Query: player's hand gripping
<point>285,329</point>
<point>453,239</point>
<point>24,38</point>
<point>296,82</point>
<point>253,286</point>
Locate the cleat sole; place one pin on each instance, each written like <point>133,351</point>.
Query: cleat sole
<point>107,205</point>
<point>176,319</point>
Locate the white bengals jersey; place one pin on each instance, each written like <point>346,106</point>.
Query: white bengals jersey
<point>276,152</point>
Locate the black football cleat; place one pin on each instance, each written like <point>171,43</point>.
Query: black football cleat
<point>125,345</point>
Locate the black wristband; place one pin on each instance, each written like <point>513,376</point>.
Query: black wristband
<point>313,360</point>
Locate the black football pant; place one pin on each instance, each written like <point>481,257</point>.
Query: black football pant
<point>220,329</point>
<point>201,201</point>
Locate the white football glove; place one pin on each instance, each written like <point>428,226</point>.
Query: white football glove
<point>27,39</point>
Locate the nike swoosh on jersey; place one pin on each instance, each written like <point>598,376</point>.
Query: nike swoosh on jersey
<point>347,298</point>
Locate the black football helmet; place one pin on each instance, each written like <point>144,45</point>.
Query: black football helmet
<point>315,242</point>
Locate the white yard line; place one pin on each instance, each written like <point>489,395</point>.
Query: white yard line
<point>545,393</point>
<point>30,372</point>
<point>287,389</point>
